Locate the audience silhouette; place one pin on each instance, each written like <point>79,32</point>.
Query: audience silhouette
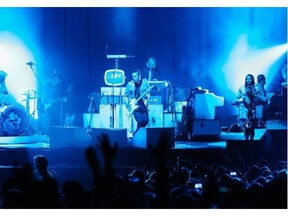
<point>183,185</point>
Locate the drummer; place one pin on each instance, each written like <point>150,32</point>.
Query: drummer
<point>3,89</point>
<point>13,118</point>
<point>5,98</point>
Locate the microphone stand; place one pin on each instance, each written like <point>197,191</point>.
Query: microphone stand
<point>89,128</point>
<point>113,104</point>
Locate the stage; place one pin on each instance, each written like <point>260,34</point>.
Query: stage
<point>229,149</point>
<point>42,141</point>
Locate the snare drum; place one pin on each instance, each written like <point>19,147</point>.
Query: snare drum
<point>13,120</point>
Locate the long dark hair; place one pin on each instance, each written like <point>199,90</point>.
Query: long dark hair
<point>253,80</point>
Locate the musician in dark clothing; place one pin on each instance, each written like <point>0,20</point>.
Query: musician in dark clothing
<point>152,71</point>
<point>137,93</point>
<point>185,127</point>
<point>248,94</point>
<point>55,100</point>
<point>5,97</point>
<point>262,96</point>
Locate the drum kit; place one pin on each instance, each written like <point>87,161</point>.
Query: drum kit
<point>16,120</point>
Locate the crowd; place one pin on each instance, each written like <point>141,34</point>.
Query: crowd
<point>182,185</point>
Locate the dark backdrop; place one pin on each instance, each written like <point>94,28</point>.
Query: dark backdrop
<point>189,43</point>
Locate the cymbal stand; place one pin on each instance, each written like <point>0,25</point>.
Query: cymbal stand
<point>39,94</point>
<point>31,126</point>
<point>259,115</point>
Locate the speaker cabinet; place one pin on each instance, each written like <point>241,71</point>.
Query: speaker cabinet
<point>145,136</point>
<point>276,135</point>
<point>206,127</point>
<point>92,119</point>
<point>118,135</point>
<point>62,137</point>
<point>121,119</point>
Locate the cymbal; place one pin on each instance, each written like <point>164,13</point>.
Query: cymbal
<point>29,98</point>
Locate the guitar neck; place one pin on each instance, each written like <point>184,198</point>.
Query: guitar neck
<point>143,94</point>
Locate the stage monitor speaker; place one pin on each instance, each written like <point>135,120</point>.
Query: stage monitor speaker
<point>115,135</point>
<point>275,136</point>
<point>145,136</point>
<point>276,125</point>
<point>206,127</point>
<point>62,137</point>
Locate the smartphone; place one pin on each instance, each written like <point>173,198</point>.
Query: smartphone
<point>198,185</point>
<point>233,173</point>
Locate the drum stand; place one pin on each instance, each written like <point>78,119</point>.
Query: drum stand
<point>259,115</point>
<point>261,123</point>
<point>237,122</point>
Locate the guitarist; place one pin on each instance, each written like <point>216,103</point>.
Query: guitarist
<point>55,99</point>
<point>185,126</point>
<point>137,89</point>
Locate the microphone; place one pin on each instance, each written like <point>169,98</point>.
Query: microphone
<point>30,63</point>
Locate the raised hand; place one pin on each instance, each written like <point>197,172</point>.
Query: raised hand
<point>160,150</point>
<point>107,149</point>
<point>162,181</point>
<point>92,160</point>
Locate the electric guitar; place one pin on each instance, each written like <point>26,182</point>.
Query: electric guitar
<point>52,101</point>
<point>132,105</point>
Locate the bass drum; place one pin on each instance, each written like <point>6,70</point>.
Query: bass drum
<point>13,120</point>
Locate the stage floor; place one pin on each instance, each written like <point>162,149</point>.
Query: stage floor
<point>42,141</point>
